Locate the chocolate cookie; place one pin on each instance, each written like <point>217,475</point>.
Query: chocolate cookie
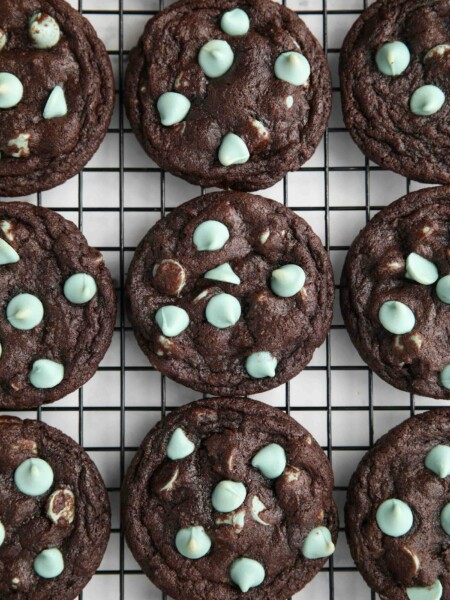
<point>57,304</point>
<point>230,496</point>
<point>395,65</point>
<point>398,510</point>
<point>54,513</point>
<point>56,94</point>
<point>395,293</point>
<point>230,294</point>
<point>228,94</point>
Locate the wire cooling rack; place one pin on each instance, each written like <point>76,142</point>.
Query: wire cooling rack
<point>119,196</point>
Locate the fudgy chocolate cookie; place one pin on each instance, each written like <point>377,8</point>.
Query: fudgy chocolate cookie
<point>54,513</point>
<point>398,511</point>
<point>395,293</point>
<point>228,94</point>
<point>228,497</point>
<point>230,294</point>
<point>57,305</point>
<point>395,65</point>
<point>56,94</point>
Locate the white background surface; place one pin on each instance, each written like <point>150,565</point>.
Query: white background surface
<point>118,197</point>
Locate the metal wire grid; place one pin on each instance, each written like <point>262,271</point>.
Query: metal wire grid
<point>324,408</point>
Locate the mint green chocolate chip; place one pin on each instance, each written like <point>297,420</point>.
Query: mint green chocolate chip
<point>239,520</point>
<point>215,58</point>
<point>179,445</point>
<point>438,51</point>
<point>8,255</point>
<point>235,22</point>
<point>287,281</point>
<point>445,518</point>
<point>3,39</point>
<point>172,320</point>
<point>427,100</point>
<point>393,58</point>
<point>261,364</point>
<point>257,508</point>
<point>265,235</point>
<point>33,477</point>
<point>44,31</point>
<point>445,377</point>
<point>228,496</point>
<point>20,145</point>
<point>223,273</point>
<point>211,235</point>
<point>49,563</point>
<point>193,542</point>
<point>247,573</point>
<point>438,460</point>
<point>443,289</point>
<point>421,270</point>
<point>46,374</point>
<point>318,544</point>
<point>394,517</point>
<point>11,90</point>
<point>25,312</point>
<point>233,151</point>
<point>262,130</point>
<point>396,317</point>
<point>56,104</point>
<point>432,592</point>
<point>173,108</point>
<point>292,67</point>
<point>2,533</point>
<point>80,288</point>
<point>223,311</point>
<point>270,460</point>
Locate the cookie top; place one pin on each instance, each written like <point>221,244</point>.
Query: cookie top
<point>398,511</point>
<point>395,293</point>
<point>230,294</point>
<point>54,513</point>
<point>56,94</point>
<point>57,306</point>
<point>228,94</point>
<point>230,496</point>
<point>395,65</point>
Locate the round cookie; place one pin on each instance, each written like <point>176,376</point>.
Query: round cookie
<point>57,306</point>
<point>229,496</point>
<point>228,97</point>
<point>54,513</point>
<point>394,70</point>
<point>56,94</point>
<point>395,293</point>
<point>397,511</point>
<point>230,294</point>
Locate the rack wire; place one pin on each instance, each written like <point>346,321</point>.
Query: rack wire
<point>116,199</point>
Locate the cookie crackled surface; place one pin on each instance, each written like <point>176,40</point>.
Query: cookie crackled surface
<point>394,70</point>
<point>230,294</point>
<point>398,510</point>
<point>57,306</point>
<point>228,94</point>
<point>54,513</point>
<point>395,293</point>
<point>56,94</point>
<point>244,509</point>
